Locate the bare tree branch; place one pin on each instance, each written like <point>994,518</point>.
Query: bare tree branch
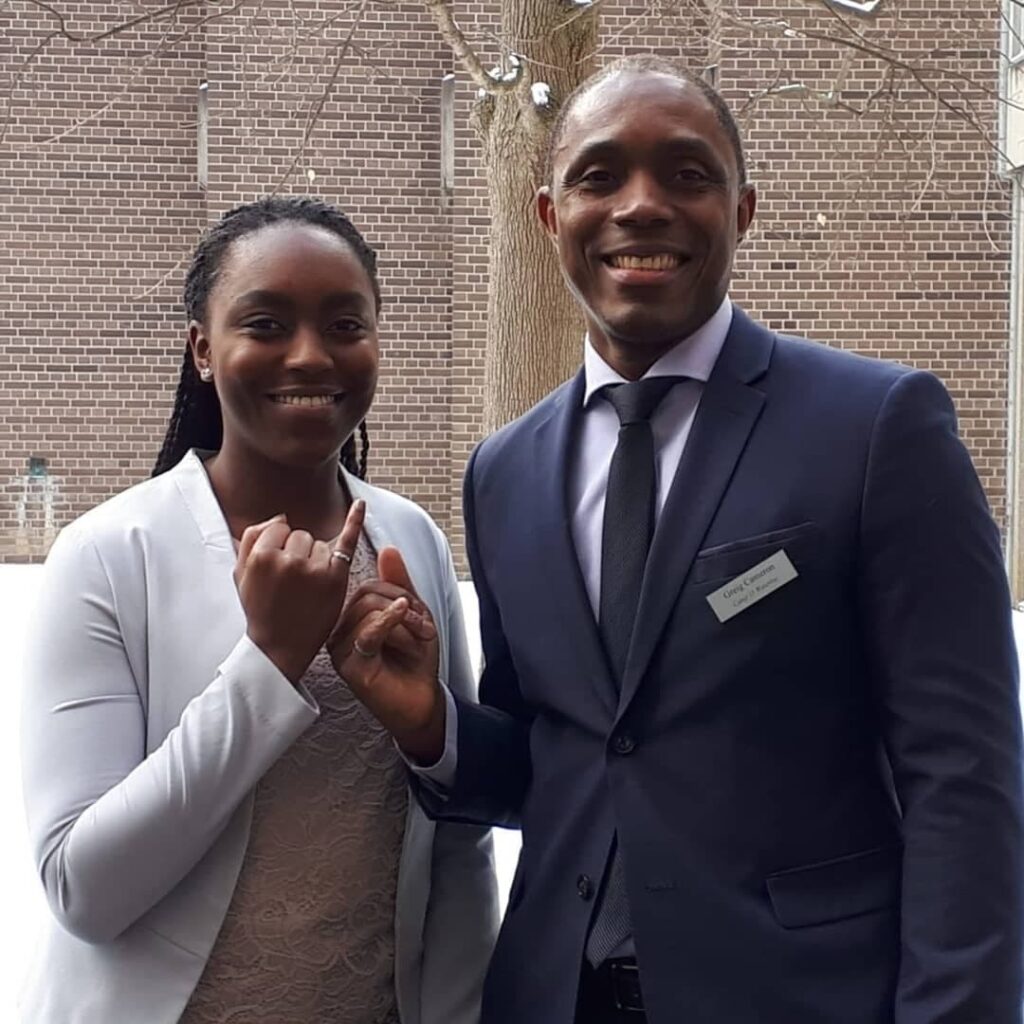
<point>62,31</point>
<point>461,47</point>
<point>165,43</point>
<point>123,26</point>
<point>342,51</point>
<point>930,176</point>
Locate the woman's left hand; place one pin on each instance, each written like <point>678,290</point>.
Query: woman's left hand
<point>385,648</point>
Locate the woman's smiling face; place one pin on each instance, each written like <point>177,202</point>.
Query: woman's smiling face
<point>290,333</point>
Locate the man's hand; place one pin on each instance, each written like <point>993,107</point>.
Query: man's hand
<point>385,648</point>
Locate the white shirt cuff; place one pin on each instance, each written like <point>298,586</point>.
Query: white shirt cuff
<point>441,775</point>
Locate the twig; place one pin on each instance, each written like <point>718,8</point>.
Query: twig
<point>930,176</point>
<point>117,29</point>
<point>63,32</point>
<point>165,43</point>
<point>311,121</point>
<point>461,47</point>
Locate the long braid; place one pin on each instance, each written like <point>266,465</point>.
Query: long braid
<point>196,417</point>
<point>169,454</point>
<point>353,463</point>
<point>364,452</point>
<point>348,455</point>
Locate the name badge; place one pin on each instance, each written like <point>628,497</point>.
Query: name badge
<point>751,586</point>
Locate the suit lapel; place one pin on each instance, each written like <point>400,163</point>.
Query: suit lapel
<point>728,410</point>
<point>562,586</point>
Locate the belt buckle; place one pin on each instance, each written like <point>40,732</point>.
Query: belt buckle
<point>625,979</point>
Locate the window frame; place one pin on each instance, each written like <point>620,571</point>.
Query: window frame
<point>865,8</point>
<point>1014,25</point>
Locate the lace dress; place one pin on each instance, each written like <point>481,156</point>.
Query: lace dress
<point>309,936</point>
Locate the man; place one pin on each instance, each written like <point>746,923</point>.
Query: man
<point>774,776</point>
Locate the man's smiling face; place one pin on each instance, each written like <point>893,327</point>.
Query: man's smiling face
<point>646,209</point>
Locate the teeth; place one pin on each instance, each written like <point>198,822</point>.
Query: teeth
<point>306,400</point>
<point>660,261</point>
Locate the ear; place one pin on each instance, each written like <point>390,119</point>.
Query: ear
<point>745,210</point>
<point>199,345</point>
<point>546,212</point>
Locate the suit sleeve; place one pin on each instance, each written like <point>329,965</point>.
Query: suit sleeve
<point>936,611</point>
<point>113,829</point>
<point>492,771</point>
<point>462,914</point>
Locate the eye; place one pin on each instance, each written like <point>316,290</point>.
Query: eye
<point>691,175</point>
<point>697,177</point>
<point>261,325</point>
<point>595,179</point>
<point>348,325</point>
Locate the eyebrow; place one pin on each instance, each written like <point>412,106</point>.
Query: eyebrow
<point>686,146</point>
<point>262,296</point>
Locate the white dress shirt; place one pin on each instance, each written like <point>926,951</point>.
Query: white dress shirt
<point>692,358</point>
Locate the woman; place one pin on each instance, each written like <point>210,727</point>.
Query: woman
<point>223,832</point>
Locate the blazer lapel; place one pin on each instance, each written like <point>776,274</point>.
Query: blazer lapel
<point>728,410</point>
<point>193,484</point>
<point>374,527</point>
<point>562,587</point>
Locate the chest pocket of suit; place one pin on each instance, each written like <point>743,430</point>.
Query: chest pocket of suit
<point>723,562</point>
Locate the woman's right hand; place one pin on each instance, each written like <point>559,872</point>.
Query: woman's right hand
<point>293,587</point>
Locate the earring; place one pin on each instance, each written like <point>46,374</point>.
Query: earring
<point>206,374</point>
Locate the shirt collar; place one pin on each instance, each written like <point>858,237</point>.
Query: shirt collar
<point>693,357</point>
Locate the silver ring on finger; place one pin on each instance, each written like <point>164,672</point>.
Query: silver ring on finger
<point>361,651</point>
<point>342,556</point>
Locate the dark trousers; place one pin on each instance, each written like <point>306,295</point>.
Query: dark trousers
<point>604,990</point>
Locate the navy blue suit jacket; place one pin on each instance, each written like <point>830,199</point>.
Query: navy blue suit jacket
<point>819,800</point>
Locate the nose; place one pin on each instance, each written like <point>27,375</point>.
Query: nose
<point>308,352</point>
<point>642,202</point>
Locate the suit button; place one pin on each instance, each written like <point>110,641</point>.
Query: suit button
<point>623,743</point>
<point>585,887</point>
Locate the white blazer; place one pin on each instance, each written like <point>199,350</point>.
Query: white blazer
<point>149,717</point>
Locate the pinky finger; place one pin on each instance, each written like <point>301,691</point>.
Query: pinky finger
<point>369,640</point>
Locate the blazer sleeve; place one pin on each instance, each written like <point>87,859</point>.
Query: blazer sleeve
<point>462,917</point>
<point>936,611</point>
<point>492,772</point>
<point>113,829</point>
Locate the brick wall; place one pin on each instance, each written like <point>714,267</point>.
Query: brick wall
<point>376,153</point>
<point>92,218</point>
<point>886,232</point>
<point>881,232</point>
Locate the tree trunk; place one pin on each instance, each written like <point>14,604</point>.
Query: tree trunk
<point>534,329</point>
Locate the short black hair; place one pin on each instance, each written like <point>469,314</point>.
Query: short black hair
<point>196,420</point>
<point>653,64</point>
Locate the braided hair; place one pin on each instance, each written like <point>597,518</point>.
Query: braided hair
<point>196,418</point>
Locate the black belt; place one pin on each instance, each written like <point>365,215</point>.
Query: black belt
<point>611,992</point>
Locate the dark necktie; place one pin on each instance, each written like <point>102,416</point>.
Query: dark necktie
<point>628,513</point>
<point>625,540</point>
